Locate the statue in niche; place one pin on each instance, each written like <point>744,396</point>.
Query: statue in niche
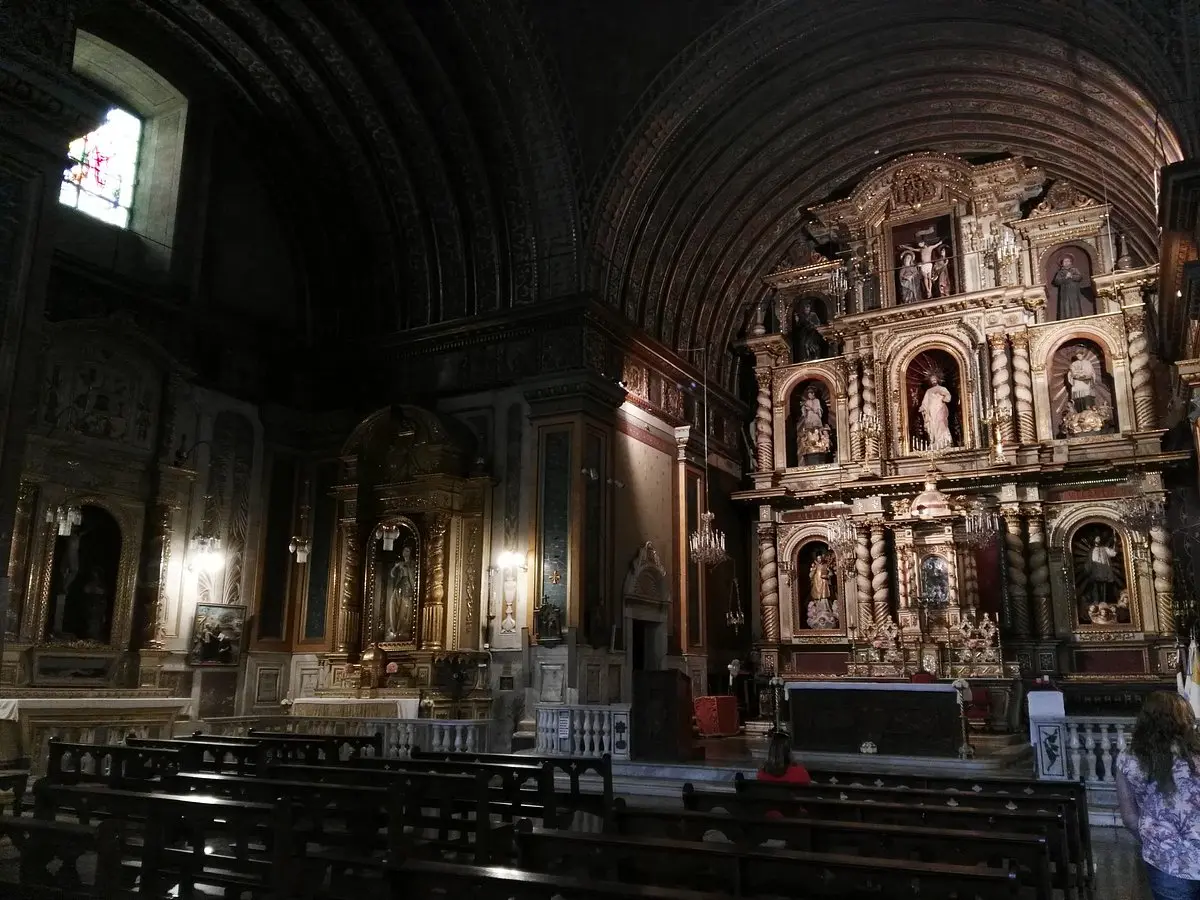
<point>820,604</point>
<point>935,414</point>
<point>84,579</point>
<point>925,251</point>
<point>1081,395</point>
<point>1100,576</point>
<point>807,340</point>
<point>1069,281</point>
<point>1081,378</point>
<point>801,252</point>
<point>942,286</point>
<point>935,581</point>
<point>910,278</point>
<point>814,441</point>
<point>402,597</point>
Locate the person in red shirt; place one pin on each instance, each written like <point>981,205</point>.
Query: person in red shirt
<point>779,766</point>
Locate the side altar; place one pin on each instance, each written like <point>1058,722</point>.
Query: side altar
<point>958,442</point>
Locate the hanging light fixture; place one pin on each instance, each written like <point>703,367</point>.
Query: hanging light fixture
<point>981,525</point>
<point>707,543</point>
<point>300,545</point>
<point>388,534</point>
<point>64,518</point>
<point>842,537</point>
<point>735,617</point>
<point>204,548</point>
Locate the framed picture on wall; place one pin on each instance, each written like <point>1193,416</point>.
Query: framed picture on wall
<point>217,635</point>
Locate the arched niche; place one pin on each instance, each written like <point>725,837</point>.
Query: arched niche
<point>1101,581</point>
<point>933,402</point>
<point>812,424</point>
<point>1081,391</point>
<point>393,585</point>
<point>1067,270</point>
<point>816,588</point>
<point>831,378</point>
<point>798,545</point>
<point>806,316</point>
<point>88,580</point>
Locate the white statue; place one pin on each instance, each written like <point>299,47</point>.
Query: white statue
<point>401,596</point>
<point>1081,377</point>
<point>820,607</point>
<point>812,412</point>
<point>925,251</point>
<point>935,412</point>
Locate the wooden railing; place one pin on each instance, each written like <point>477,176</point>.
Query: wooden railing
<point>585,731</point>
<point>1080,748</point>
<point>400,736</point>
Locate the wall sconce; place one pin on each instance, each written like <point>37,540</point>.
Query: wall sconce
<point>65,518</point>
<point>299,544</point>
<point>591,474</point>
<point>510,559</point>
<point>204,549</point>
<point>388,534</point>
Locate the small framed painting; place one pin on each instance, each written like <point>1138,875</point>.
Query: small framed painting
<point>217,635</point>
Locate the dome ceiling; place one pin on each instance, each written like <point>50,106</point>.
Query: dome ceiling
<point>785,107</point>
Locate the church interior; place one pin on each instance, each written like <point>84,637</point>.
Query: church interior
<point>598,386</point>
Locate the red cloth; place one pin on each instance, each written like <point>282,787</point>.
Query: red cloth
<point>716,715</point>
<point>923,678</point>
<point>795,774</point>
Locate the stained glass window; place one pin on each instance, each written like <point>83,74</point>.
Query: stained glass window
<point>103,168</point>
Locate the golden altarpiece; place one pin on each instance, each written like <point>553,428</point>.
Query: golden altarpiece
<point>413,519</point>
<point>957,441</point>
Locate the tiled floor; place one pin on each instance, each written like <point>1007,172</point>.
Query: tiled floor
<point>1119,873</point>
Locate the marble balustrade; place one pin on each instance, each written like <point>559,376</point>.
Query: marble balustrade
<point>400,736</point>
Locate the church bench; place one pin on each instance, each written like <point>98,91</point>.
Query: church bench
<point>742,872</point>
<point>41,844</point>
<point>1029,854</point>
<point>358,745</point>
<point>1074,815</point>
<point>306,750</point>
<point>210,755</point>
<point>14,781</point>
<point>117,765</point>
<point>1047,824</point>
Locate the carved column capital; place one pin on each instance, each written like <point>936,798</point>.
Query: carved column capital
<point>1020,340</point>
<point>998,340</point>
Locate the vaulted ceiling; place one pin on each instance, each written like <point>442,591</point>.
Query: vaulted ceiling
<point>447,158</point>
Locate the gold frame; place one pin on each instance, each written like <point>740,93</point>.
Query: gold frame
<point>372,614</point>
<point>838,593</point>
<point>887,224</point>
<point>1131,578</point>
<point>963,386</point>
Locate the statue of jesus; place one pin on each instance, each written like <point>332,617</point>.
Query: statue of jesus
<point>925,251</point>
<point>935,413</point>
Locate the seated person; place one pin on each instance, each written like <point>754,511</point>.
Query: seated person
<point>779,766</point>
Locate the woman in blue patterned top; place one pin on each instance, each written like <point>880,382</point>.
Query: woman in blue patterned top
<point>1158,788</point>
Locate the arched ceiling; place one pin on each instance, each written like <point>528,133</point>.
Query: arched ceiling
<point>408,143</point>
<point>786,104</point>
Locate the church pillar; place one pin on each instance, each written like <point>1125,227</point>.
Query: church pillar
<point>768,582</point>
<point>854,398</point>
<point>1162,568</point>
<point>1014,544</point>
<point>870,423</point>
<point>42,109</point>
<point>433,618</point>
<point>880,590</point>
<point>1002,405</point>
<point>764,430</point>
<point>1023,379</point>
<point>862,578</point>
<point>349,621</point>
<point>1039,574</point>
<point>1140,375</point>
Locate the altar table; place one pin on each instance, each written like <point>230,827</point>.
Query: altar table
<point>894,718</point>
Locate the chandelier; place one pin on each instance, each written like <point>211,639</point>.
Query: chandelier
<point>707,543</point>
<point>842,537</point>
<point>735,617</point>
<point>981,525</point>
<point>1001,246</point>
<point>204,548</point>
<point>388,534</point>
<point>65,518</point>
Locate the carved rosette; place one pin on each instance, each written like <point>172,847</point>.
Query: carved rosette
<point>1039,577</point>
<point>764,429</point>
<point>1001,385</point>
<point>768,580</point>
<point>1023,388</point>
<point>1014,545</point>
<point>433,624</point>
<point>879,576</point>
<point>854,401</point>
<point>1140,375</point>
<point>1163,571</point>
<point>350,594</point>
<point>862,578</point>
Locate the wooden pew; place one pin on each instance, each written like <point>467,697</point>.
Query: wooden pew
<point>211,755</point>
<point>740,872</point>
<point>1029,854</point>
<point>117,765</point>
<point>353,745</point>
<point>14,781</point>
<point>1047,824</point>
<point>41,844</point>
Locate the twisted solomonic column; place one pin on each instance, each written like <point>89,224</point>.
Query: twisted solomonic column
<point>1001,384</point>
<point>1139,370</point>
<point>854,401</point>
<point>1164,586</point>
<point>1023,380</point>
<point>862,578</point>
<point>764,428</point>
<point>1014,547</point>
<point>768,582</point>
<point>869,409</point>
<point>880,607</point>
<point>433,631</point>
<point>1039,577</point>
<point>349,624</point>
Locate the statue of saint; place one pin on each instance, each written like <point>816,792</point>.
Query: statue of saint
<point>807,342</point>
<point>401,596</point>
<point>925,251</point>
<point>820,606</point>
<point>935,413</point>
<point>941,273</point>
<point>910,278</point>
<point>1068,280</point>
<point>1081,378</point>
<point>812,413</point>
<point>1100,577</point>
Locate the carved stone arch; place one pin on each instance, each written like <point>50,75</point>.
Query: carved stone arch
<point>647,581</point>
<point>1061,535</point>
<point>402,442</point>
<point>960,347</point>
<point>786,380</point>
<point>791,543</point>
<point>1106,332</point>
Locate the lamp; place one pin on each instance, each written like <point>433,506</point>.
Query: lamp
<point>511,559</point>
<point>204,548</point>
<point>981,525</point>
<point>388,534</point>
<point>735,617</point>
<point>707,543</point>
<point>842,537</point>
<point>64,518</point>
<point>300,545</point>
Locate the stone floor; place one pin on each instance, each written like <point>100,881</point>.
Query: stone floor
<point>1119,874</point>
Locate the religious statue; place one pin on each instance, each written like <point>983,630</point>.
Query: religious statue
<point>807,342</point>
<point>94,601</point>
<point>401,596</point>
<point>935,581</point>
<point>812,434</point>
<point>941,273</point>
<point>1068,280</point>
<point>935,413</point>
<point>1100,577</point>
<point>820,606</point>
<point>910,278</point>
<point>925,251</point>
<point>1081,378</point>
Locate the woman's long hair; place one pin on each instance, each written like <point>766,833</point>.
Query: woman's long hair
<point>1165,731</point>
<point>779,754</point>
